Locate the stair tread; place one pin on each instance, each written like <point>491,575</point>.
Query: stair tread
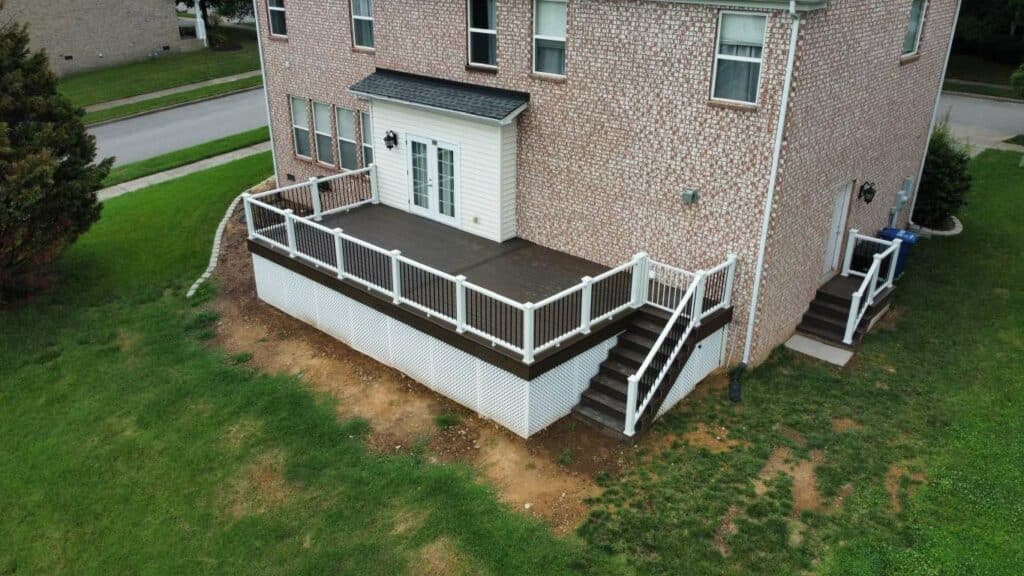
<point>658,313</point>
<point>647,326</point>
<point>599,417</point>
<point>833,336</point>
<point>639,339</point>
<point>631,356</point>
<point>839,321</point>
<point>621,368</point>
<point>606,381</point>
<point>606,400</point>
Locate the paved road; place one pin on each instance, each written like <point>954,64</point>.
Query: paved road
<point>982,122</point>
<point>155,134</point>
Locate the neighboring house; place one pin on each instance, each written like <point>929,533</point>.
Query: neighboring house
<point>80,35</point>
<point>555,173</point>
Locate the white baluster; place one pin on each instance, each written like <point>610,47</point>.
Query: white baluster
<point>314,194</point>
<point>851,243</point>
<point>851,319</point>
<point>631,397</point>
<point>289,226</point>
<point>587,292</point>
<point>892,264</point>
<point>528,332</point>
<point>729,280</point>
<point>460,304</point>
<point>374,189</point>
<point>877,267</point>
<point>249,224</point>
<point>641,263</point>
<point>697,305</point>
<point>339,249</point>
<point>396,280</point>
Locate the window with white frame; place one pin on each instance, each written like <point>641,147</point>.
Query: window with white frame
<point>346,138</point>
<point>276,16</point>
<point>322,128</point>
<point>483,33</point>
<point>367,126</point>
<point>737,74</point>
<point>912,41</point>
<point>549,24</point>
<point>362,23</point>
<point>300,127</point>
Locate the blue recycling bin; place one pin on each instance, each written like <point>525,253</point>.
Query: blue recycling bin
<point>908,239</point>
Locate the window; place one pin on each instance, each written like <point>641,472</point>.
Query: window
<point>549,17</point>
<point>737,74</point>
<point>362,23</point>
<point>912,41</point>
<point>322,127</point>
<point>367,126</point>
<point>275,12</point>
<point>483,33</point>
<point>346,138</point>
<point>300,127</point>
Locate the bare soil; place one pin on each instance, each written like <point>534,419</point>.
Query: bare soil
<point>893,479</point>
<point>842,425</point>
<point>549,476</point>
<point>260,486</point>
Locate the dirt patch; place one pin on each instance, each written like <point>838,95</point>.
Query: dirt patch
<point>549,476</point>
<point>792,434</point>
<point>259,487</point>
<point>241,432</point>
<point>726,529</point>
<point>805,494</point>
<point>408,522</point>
<point>439,558</point>
<point>891,320</point>
<point>894,479</point>
<point>841,425</point>
<point>713,439</point>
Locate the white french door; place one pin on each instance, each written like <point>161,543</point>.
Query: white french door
<point>834,244</point>
<point>433,179</point>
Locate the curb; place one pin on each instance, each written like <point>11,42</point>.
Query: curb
<point>983,97</point>
<point>173,106</point>
<point>958,227</point>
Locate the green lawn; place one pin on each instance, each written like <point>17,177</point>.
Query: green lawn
<point>942,395</point>
<point>975,69</point>
<point>165,72</point>
<point>171,100</point>
<point>185,156</point>
<point>131,447</point>
<point>1000,91</point>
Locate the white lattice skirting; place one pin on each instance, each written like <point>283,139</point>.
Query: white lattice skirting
<point>523,406</point>
<point>705,359</point>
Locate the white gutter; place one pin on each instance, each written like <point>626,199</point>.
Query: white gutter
<point>935,113</point>
<point>780,131</point>
<point>266,91</point>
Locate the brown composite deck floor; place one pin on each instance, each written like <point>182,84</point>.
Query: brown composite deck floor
<point>516,268</point>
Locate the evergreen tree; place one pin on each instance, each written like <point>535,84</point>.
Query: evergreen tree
<point>48,177</point>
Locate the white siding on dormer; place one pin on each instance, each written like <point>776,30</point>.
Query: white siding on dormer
<point>509,147</point>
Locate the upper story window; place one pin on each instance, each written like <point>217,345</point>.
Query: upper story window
<point>300,127</point>
<point>347,138</point>
<point>737,74</point>
<point>912,41</point>
<point>367,126</point>
<point>276,16</point>
<point>362,23</point>
<point>322,128</point>
<point>549,23</point>
<point>483,33</point>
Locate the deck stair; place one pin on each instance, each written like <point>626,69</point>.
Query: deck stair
<point>826,317</point>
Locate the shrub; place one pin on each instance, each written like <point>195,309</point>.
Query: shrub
<point>447,420</point>
<point>1017,81</point>
<point>48,180</point>
<point>945,180</point>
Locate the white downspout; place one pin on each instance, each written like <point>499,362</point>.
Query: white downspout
<point>780,132</point>
<point>266,91</point>
<point>935,113</point>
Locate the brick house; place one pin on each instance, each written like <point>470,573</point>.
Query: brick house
<point>549,206</point>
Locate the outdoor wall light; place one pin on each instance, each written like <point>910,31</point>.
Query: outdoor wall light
<point>391,139</point>
<point>690,196</point>
<point>867,192</point>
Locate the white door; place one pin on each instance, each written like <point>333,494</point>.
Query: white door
<point>433,179</point>
<point>834,243</point>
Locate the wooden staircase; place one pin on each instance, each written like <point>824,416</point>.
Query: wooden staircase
<point>826,318</point>
<point>603,405</point>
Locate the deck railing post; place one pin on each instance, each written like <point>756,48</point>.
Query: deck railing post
<point>396,276</point>
<point>897,243</point>
<point>874,278</point>
<point>585,301</point>
<point>460,303</point>
<point>339,250</point>
<point>641,271</point>
<point>697,307</point>
<point>374,189</point>
<point>247,206</point>
<point>631,397</point>
<point>730,277</point>
<point>851,243</point>
<point>528,332</point>
<point>314,194</point>
<point>851,319</point>
<point>289,227</point>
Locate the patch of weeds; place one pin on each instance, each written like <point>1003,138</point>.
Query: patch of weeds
<point>241,358</point>
<point>202,321</point>
<point>565,458</point>
<point>205,293</point>
<point>447,420</point>
<point>356,428</point>
<point>206,334</point>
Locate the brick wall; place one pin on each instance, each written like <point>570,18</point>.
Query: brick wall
<point>858,114</point>
<point>99,33</point>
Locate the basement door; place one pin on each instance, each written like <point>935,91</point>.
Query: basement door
<point>433,179</point>
<point>834,244</point>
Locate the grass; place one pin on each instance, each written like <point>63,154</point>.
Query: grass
<point>447,420</point>
<point>170,100</point>
<point>998,91</point>
<point>940,395</point>
<point>168,71</point>
<point>975,69</point>
<point>130,446</point>
<point>186,156</point>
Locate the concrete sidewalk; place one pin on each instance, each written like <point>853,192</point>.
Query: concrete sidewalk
<point>159,177</point>
<point>175,90</point>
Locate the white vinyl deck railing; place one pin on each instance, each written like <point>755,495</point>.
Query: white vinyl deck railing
<point>287,219</point>
<point>878,278</point>
<point>707,293</point>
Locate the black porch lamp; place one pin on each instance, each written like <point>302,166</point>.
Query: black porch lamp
<point>390,139</point>
<point>867,192</point>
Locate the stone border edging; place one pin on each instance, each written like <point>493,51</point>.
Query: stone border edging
<point>958,227</point>
<point>215,251</point>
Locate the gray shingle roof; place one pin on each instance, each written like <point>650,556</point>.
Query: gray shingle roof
<point>482,101</point>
